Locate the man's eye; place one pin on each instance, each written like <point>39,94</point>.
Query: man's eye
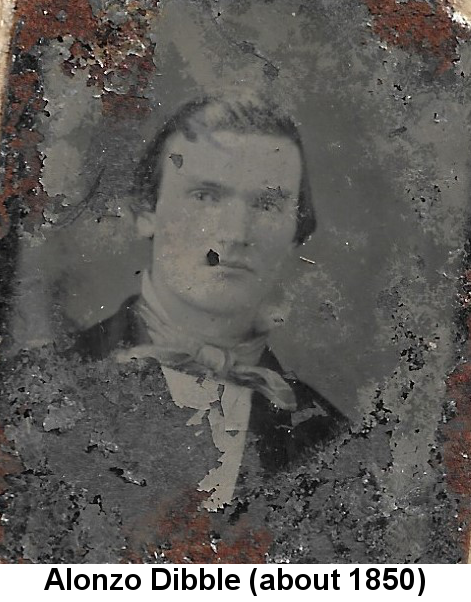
<point>204,196</point>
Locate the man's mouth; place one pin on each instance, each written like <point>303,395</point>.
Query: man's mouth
<point>214,259</point>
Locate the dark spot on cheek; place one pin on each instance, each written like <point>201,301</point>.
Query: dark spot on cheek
<point>177,160</point>
<point>213,257</point>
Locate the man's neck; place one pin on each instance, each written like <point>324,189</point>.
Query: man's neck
<point>220,330</point>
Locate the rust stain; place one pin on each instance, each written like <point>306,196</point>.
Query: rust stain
<point>189,536</point>
<point>418,27</point>
<point>125,106</point>
<point>249,547</point>
<point>35,20</point>
<point>9,465</point>
<point>457,432</point>
<point>102,48</point>
<point>48,19</point>
<point>22,162</point>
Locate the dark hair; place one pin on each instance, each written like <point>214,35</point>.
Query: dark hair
<point>249,114</point>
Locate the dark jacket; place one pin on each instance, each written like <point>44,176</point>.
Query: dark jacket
<point>280,435</point>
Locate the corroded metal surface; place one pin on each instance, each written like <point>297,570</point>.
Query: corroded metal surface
<point>396,488</point>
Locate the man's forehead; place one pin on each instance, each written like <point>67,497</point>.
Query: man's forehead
<point>232,155</point>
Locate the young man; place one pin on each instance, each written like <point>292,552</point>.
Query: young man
<point>176,401</point>
<point>224,196</point>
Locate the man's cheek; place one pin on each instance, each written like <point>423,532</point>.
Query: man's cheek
<point>174,234</point>
<point>183,251</point>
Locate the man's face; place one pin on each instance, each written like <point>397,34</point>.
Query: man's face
<point>225,219</point>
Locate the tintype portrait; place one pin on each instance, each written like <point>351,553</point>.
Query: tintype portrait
<point>233,239</point>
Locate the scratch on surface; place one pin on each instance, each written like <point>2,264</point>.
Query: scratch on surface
<point>311,261</point>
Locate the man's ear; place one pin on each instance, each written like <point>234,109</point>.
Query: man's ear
<point>145,224</point>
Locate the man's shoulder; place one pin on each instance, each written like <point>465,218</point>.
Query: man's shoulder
<point>119,330</point>
<point>309,401</point>
<point>283,437</point>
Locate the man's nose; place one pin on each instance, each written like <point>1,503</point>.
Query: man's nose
<point>234,223</point>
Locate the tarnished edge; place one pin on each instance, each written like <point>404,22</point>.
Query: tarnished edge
<point>7,8</point>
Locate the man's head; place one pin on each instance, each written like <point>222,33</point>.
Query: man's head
<point>227,199</point>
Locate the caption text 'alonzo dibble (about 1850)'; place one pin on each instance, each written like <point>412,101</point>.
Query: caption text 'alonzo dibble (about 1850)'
<point>279,579</point>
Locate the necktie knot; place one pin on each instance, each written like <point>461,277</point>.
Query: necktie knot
<point>218,361</point>
<point>179,350</point>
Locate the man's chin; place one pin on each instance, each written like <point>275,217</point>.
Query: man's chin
<point>223,303</point>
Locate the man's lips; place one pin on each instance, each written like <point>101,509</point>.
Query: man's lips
<point>232,263</point>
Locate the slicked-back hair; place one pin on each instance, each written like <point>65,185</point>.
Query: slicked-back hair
<point>244,115</point>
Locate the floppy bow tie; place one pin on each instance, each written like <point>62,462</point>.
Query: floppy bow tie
<point>175,349</point>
